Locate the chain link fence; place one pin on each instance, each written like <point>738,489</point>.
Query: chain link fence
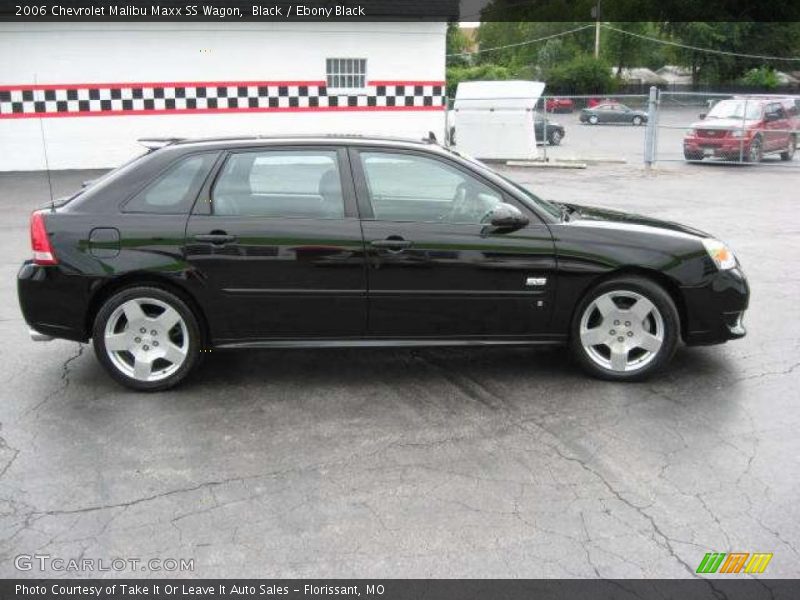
<point>665,127</point>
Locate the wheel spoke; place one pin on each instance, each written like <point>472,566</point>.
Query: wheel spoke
<point>141,369</point>
<point>117,342</point>
<point>642,308</point>
<point>168,319</point>
<point>649,342</point>
<point>619,358</point>
<point>594,337</point>
<point>133,311</point>
<point>174,354</point>
<point>605,305</point>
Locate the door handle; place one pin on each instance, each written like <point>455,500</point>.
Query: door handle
<point>215,238</point>
<point>394,244</point>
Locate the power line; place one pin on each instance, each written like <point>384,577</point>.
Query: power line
<point>525,43</point>
<point>698,49</point>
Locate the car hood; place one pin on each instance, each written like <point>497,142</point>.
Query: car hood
<point>713,123</point>
<point>591,216</point>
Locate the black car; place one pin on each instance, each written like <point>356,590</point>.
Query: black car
<point>555,131</point>
<point>346,241</point>
<point>612,112</point>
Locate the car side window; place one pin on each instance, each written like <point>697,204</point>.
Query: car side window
<point>280,183</point>
<point>409,187</point>
<point>174,191</point>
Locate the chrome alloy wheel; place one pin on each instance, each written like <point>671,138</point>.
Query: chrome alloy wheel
<point>146,339</point>
<point>621,331</point>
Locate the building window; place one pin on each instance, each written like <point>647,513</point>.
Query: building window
<point>346,73</point>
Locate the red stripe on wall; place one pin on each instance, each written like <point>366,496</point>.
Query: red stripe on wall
<point>69,86</point>
<point>405,83</point>
<point>184,111</point>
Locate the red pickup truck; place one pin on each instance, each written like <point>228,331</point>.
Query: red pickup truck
<point>744,129</point>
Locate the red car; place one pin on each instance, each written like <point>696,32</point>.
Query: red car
<point>744,129</point>
<point>559,105</point>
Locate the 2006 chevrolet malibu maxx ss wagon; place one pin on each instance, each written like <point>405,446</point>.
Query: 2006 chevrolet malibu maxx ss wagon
<point>347,241</point>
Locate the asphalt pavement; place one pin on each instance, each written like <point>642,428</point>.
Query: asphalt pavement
<point>423,463</point>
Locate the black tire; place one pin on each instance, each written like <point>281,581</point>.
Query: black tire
<point>692,155</point>
<point>637,120</point>
<point>789,153</point>
<point>671,328</point>
<point>755,152</point>
<point>593,120</point>
<point>195,340</point>
<point>555,138</point>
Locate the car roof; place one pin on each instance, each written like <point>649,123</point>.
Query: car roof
<point>286,140</point>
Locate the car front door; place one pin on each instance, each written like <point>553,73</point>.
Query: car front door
<point>277,243</point>
<point>436,269</point>
<point>777,128</point>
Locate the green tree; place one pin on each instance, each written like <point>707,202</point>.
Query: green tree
<point>582,75</point>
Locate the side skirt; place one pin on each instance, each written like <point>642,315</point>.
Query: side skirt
<point>387,343</point>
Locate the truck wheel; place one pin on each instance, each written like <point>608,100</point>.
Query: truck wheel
<point>789,153</point>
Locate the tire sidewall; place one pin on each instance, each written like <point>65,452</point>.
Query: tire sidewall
<point>663,302</point>
<point>189,318</point>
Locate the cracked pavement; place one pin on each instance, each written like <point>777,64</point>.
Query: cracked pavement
<point>501,462</point>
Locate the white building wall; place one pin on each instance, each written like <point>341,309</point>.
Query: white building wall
<point>50,56</point>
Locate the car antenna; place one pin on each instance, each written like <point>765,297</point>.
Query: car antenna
<point>46,159</point>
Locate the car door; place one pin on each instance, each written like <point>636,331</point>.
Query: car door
<point>435,268</point>
<point>277,243</point>
<point>776,127</point>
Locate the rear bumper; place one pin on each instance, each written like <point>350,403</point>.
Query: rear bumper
<point>715,310</point>
<point>54,303</point>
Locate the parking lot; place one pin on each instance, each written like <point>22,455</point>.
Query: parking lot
<point>425,463</point>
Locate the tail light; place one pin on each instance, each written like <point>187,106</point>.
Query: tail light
<point>40,242</point>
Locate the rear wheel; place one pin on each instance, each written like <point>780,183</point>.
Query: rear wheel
<point>147,338</point>
<point>555,138</point>
<point>625,329</point>
<point>593,120</point>
<point>789,153</point>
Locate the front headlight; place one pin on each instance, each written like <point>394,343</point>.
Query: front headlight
<point>691,132</point>
<point>722,256</point>
<point>738,133</point>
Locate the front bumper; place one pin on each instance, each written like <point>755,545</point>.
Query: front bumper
<point>727,148</point>
<point>54,303</point>
<point>715,310</point>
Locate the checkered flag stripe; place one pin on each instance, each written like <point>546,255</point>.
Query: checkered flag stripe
<point>218,97</point>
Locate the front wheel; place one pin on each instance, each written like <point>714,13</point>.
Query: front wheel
<point>789,153</point>
<point>555,138</point>
<point>625,329</point>
<point>147,338</point>
<point>637,120</point>
<point>755,153</point>
<point>593,120</point>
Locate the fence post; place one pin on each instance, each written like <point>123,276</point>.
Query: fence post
<point>650,129</point>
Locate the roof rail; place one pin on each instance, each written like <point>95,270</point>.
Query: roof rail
<point>156,143</point>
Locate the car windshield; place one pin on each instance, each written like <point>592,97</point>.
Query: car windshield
<point>735,109</point>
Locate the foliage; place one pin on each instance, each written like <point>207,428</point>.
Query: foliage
<point>762,77</point>
<point>485,72</point>
<point>581,75</point>
<point>457,42</point>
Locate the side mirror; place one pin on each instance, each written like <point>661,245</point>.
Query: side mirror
<point>701,116</point>
<point>506,218</point>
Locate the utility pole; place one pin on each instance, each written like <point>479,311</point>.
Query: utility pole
<point>596,15</point>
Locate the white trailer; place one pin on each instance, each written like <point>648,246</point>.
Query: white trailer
<point>495,119</point>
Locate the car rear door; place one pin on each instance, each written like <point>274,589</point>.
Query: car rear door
<point>276,241</point>
<point>777,127</point>
<point>435,270</point>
